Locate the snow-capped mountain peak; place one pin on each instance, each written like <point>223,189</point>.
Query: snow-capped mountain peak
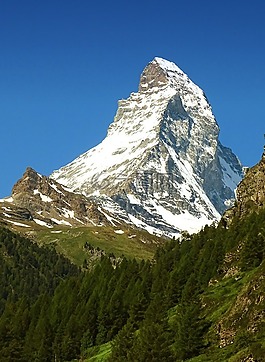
<point>161,161</point>
<point>159,73</point>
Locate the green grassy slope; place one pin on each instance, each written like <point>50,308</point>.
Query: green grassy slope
<point>70,241</point>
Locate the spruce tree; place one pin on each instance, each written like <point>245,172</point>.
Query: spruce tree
<point>190,329</point>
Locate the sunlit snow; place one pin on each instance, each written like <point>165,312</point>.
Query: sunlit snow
<point>7,199</point>
<point>119,231</point>
<point>17,223</point>
<point>56,188</point>
<point>42,223</point>
<point>109,218</point>
<point>43,197</point>
<point>61,222</point>
<point>7,215</point>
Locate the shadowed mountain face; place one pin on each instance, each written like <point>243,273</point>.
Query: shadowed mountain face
<point>161,164</point>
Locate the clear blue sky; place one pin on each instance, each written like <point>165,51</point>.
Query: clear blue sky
<point>65,63</point>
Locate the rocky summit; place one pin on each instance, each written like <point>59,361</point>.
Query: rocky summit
<point>161,165</point>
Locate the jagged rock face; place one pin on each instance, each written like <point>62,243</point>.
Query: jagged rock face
<point>48,203</point>
<point>161,162</point>
<point>153,76</point>
<point>251,190</point>
<point>250,193</point>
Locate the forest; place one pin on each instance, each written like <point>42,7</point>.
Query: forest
<point>176,307</point>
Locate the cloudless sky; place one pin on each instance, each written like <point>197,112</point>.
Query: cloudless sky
<point>64,64</point>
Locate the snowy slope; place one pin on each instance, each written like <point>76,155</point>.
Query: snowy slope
<point>161,162</point>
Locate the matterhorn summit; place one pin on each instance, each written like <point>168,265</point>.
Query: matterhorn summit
<point>161,165</point>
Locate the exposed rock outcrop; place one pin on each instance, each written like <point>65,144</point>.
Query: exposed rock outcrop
<point>250,193</point>
<point>43,200</point>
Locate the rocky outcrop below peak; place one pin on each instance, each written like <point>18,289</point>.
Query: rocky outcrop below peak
<point>44,201</point>
<point>250,193</point>
<point>152,76</point>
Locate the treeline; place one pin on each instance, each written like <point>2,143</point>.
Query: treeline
<point>151,311</point>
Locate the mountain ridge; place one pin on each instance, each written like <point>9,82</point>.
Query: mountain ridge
<point>165,135</point>
<point>47,203</point>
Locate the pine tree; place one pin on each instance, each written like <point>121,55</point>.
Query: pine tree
<point>152,343</point>
<point>253,251</point>
<point>190,329</point>
<point>123,344</point>
<point>154,340</point>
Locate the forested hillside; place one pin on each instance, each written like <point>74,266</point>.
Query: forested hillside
<point>201,299</point>
<point>29,276</point>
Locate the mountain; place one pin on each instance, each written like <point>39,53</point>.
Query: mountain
<point>50,214</point>
<point>44,201</point>
<point>161,165</point>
